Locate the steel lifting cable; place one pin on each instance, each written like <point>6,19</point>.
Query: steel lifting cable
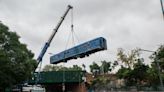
<point>72,27</point>
<point>73,36</point>
<point>72,33</point>
<point>73,42</point>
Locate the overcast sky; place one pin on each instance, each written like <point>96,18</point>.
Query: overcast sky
<point>125,24</point>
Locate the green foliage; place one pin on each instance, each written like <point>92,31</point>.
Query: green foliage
<point>100,82</point>
<point>106,66</point>
<point>128,59</point>
<point>16,61</point>
<point>160,52</point>
<point>94,67</point>
<point>51,68</point>
<point>76,68</point>
<point>137,73</point>
<point>152,77</point>
<point>123,72</point>
<point>134,76</point>
<point>61,68</point>
<point>158,56</point>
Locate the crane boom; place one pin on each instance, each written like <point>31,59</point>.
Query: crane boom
<point>47,44</point>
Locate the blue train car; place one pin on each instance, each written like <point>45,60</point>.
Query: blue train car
<point>80,51</point>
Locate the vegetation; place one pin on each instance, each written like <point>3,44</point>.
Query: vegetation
<point>61,68</point>
<point>158,56</point>
<point>16,61</point>
<point>94,68</point>
<point>133,69</point>
<point>137,73</point>
<point>105,68</point>
<point>128,59</point>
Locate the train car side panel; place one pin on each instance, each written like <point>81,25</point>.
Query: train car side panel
<point>81,50</point>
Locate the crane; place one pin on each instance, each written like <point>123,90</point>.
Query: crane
<point>47,44</point>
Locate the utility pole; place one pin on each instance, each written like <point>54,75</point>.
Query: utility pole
<point>158,67</point>
<point>161,1</point>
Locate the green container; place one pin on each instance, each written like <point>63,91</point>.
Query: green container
<point>7,89</point>
<point>59,77</point>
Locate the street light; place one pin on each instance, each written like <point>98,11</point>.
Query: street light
<point>159,68</point>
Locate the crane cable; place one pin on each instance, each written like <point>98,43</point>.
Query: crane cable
<point>71,36</point>
<point>72,28</point>
<point>74,37</point>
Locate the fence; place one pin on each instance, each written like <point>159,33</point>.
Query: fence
<point>126,89</point>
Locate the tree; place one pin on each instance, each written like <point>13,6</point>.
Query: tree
<point>106,66</point>
<point>94,67</point>
<point>123,72</point>
<point>158,56</point>
<point>134,76</point>
<point>75,68</point>
<point>16,61</point>
<point>115,64</point>
<point>52,68</point>
<point>140,72</point>
<point>128,59</point>
<point>83,65</point>
<point>61,68</point>
<point>152,77</point>
<point>134,71</point>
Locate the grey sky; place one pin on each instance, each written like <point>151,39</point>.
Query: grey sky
<point>124,23</point>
